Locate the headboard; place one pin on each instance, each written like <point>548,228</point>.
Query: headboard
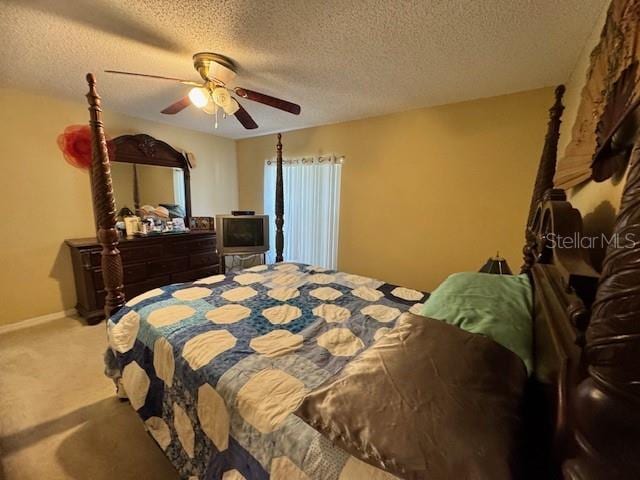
<point>586,386</point>
<point>587,330</point>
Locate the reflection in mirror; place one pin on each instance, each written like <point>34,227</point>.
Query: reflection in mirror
<point>136,186</point>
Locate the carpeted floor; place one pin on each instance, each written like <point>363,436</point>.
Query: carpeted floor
<point>59,418</point>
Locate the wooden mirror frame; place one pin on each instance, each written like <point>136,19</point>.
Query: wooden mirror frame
<point>143,149</point>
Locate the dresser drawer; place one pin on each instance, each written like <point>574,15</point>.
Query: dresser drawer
<point>131,273</point>
<point>135,273</point>
<point>130,254</point>
<point>96,257</point>
<point>191,275</point>
<point>203,259</point>
<point>168,266</point>
<point>135,289</point>
<point>141,254</point>
<point>188,246</point>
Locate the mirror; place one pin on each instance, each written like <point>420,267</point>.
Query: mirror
<point>147,172</point>
<point>136,186</point>
<point>151,179</point>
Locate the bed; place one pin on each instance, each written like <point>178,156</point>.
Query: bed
<point>188,351</point>
<point>217,388</point>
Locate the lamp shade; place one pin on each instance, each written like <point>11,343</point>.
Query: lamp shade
<point>497,265</point>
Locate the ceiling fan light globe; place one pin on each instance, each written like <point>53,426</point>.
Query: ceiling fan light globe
<point>221,97</point>
<point>232,108</point>
<point>210,107</point>
<point>199,97</point>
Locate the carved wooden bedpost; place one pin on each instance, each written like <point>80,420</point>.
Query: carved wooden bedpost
<point>546,172</point>
<point>608,401</point>
<point>279,202</point>
<point>104,205</point>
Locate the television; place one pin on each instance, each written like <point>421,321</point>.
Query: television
<point>242,234</point>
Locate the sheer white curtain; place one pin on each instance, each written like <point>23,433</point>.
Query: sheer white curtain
<point>311,209</point>
<point>178,187</point>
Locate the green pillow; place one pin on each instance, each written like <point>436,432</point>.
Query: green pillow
<point>497,306</point>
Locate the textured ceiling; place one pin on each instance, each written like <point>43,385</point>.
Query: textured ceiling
<point>338,59</point>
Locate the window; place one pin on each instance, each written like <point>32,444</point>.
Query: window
<point>311,209</point>
<point>178,188</point>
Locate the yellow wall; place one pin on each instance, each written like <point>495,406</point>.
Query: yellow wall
<point>427,192</point>
<point>122,180</point>
<point>156,185</point>
<point>44,200</point>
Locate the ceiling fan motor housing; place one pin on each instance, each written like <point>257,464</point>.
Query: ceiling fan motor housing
<point>214,67</point>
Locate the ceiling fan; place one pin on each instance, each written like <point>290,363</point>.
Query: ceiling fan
<point>217,71</point>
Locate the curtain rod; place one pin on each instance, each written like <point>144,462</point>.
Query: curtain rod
<point>310,160</point>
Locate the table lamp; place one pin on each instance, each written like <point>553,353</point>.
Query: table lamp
<point>497,265</point>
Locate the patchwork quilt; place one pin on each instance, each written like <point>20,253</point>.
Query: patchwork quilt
<point>216,367</point>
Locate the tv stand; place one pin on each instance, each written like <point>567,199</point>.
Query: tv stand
<point>242,258</point>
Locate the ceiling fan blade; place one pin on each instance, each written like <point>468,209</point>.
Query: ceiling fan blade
<point>178,106</point>
<point>268,100</point>
<point>245,119</point>
<point>157,77</point>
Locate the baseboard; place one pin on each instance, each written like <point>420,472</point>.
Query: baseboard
<point>32,322</point>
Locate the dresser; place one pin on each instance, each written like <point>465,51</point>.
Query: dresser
<point>148,262</point>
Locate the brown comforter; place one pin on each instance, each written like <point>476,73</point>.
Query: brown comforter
<point>427,401</point>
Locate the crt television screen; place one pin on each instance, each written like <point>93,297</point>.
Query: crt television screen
<point>243,232</point>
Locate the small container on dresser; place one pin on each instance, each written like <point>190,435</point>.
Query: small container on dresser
<point>147,262</point>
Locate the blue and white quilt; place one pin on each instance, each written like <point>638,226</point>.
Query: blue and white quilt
<point>216,367</point>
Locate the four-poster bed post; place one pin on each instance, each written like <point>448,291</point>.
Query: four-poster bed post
<point>607,401</point>
<point>544,177</point>
<point>104,205</point>
<point>279,202</point>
